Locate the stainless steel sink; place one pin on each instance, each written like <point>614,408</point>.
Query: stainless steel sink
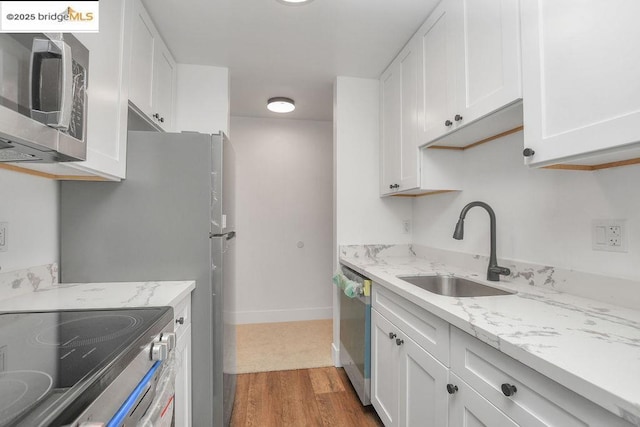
<point>453,286</point>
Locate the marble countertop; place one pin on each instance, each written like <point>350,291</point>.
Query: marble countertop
<point>590,347</point>
<point>100,295</point>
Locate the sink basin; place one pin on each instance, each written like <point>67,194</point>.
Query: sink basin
<point>453,286</point>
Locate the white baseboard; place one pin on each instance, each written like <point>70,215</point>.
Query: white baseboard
<point>335,355</point>
<point>292,315</point>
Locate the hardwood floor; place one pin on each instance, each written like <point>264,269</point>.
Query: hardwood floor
<point>303,397</point>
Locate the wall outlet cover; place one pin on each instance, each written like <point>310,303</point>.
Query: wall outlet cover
<point>609,235</point>
<point>4,238</point>
<point>406,226</point>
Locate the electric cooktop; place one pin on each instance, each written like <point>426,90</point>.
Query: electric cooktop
<point>57,362</point>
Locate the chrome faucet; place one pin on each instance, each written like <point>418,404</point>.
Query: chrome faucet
<point>494,271</point>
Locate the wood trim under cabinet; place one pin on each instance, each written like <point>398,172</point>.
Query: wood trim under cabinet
<point>428,193</point>
<point>482,141</point>
<point>595,167</point>
<point>50,175</point>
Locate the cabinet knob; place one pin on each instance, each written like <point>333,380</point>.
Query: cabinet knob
<point>156,115</point>
<point>452,388</point>
<point>399,341</point>
<point>161,119</point>
<point>457,118</point>
<point>448,123</point>
<point>397,185</point>
<point>528,152</point>
<point>390,186</point>
<point>508,389</point>
<point>180,320</point>
<point>392,335</point>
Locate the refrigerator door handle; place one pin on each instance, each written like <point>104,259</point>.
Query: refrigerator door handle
<point>230,235</point>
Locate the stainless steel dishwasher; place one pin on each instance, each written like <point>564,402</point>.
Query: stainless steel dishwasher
<point>355,333</point>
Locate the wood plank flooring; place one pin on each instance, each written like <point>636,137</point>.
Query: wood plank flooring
<point>304,397</point>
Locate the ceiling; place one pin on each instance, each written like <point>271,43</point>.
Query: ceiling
<point>272,49</point>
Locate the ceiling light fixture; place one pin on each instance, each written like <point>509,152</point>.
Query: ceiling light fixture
<point>281,104</point>
<point>294,2</point>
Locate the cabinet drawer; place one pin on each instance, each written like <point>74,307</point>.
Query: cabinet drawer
<point>182,316</point>
<point>467,408</point>
<point>428,331</point>
<point>537,401</point>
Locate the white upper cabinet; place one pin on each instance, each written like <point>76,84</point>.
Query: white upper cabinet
<point>164,87</point>
<point>142,51</point>
<point>469,68</point>
<point>107,94</point>
<point>153,72</point>
<point>581,79</point>
<point>399,160</point>
<point>437,74</point>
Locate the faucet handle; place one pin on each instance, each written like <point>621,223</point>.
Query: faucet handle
<point>500,270</point>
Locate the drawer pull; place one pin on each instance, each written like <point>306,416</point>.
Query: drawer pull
<point>452,388</point>
<point>180,320</point>
<point>391,335</point>
<point>508,389</point>
<point>399,341</point>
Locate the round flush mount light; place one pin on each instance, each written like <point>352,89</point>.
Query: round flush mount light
<point>294,2</point>
<point>281,104</point>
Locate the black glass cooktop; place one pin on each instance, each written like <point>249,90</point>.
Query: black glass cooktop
<point>46,355</point>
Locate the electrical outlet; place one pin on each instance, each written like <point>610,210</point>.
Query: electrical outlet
<point>609,235</point>
<point>4,239</point>
<point>406,226</point>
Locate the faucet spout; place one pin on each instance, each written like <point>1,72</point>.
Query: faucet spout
<point>494,270</point>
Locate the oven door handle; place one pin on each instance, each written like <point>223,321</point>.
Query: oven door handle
<point>135,396</point>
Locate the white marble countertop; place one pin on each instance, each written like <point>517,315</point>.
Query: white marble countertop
<point>590,347</point>
<point>100,295</point>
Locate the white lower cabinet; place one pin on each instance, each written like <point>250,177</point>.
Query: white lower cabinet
<point>183,381</point>
<point>409,351</point>
<point>469,409</point>
<point>526,396</point>
<point>426,372</point>
<point>182,329</point>
<point>408,387</point>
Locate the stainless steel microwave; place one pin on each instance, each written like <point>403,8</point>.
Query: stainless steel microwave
<point>43,98</point>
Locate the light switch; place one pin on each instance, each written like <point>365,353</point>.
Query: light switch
<point>601,235</point>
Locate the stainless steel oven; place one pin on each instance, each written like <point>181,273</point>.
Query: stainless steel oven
<point>81,368</point>
<point>355,332</point>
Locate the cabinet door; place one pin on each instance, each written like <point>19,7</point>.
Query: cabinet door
<point>142,61</point>
<point>408,70</point>
<point>436,82</point>
<point>384,369</point>
<point>487,47</point>
<point>390,129</point>
<point>468,409</point>
<point>164,84</point>
<point>107,95</point>
<point>422,389</point>
<point>183,380</point>
<point>399,154</point>
<point>580,77</point>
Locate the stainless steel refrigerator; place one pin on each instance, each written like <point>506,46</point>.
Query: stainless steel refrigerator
<point>171,219</point>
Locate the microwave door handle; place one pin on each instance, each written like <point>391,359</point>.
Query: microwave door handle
<point>66,101</point>
<point>43,48</point>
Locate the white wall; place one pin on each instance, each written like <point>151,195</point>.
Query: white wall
<point>361,216</point>
<point>202,99</point>
<point>543,216</point>
<point>30,205</point>
<point>283,182</point>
